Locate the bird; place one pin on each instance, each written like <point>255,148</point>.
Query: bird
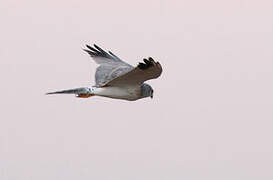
<point>117,79</point>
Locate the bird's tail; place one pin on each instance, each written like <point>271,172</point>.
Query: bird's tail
<point>84,92</point>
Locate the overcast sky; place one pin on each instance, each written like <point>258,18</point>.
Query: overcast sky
<point>212,113</point>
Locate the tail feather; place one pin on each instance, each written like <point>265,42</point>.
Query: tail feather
<point>77,91</point>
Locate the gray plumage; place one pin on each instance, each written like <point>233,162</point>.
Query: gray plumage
<point>117,79</point>
<point>110,66</point>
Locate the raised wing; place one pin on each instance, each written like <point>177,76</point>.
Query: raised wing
<point>110,66</point>
<point>102,57</point>
<point>143,72</point>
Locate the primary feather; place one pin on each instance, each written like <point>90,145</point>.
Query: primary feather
<point>110,66</point>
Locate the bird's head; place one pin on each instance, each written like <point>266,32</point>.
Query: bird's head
<point>146,90</point>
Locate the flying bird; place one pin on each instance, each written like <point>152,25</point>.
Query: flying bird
<point>117,79</point>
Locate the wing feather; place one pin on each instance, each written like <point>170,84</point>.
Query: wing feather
<point>143,72</point>
<point>101,57</point>
<point>110,65</point>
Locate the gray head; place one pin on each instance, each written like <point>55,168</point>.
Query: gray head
<point>146,90</point>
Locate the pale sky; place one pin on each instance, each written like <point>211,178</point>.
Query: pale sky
<point>212,113</point>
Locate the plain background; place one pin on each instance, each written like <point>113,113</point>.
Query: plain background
<point>211,116</point>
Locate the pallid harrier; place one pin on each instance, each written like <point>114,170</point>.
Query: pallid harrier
<point>116,78</point>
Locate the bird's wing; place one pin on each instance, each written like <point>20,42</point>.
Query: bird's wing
<point>143,72</point>
<point>110,66</point>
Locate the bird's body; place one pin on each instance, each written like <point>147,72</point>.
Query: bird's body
<point>117,79</point>
<point>130,93</point>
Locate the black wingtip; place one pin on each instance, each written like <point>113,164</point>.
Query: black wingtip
<point>147,63</point>
<point>96,51</point>
<point>50,93</point>
<point>96,46</point>
<point>151,59</point>
<point>142,66</point>
<point>89,47</point>
<point>92,49</point>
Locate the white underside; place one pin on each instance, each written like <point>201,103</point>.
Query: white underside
<point>130,93</point>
